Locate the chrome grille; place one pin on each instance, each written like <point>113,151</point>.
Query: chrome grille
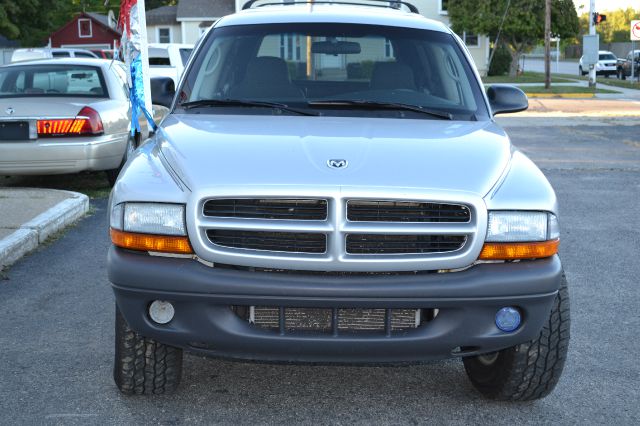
<point>279,229</point>
<point>294,242</point>
<point>328,320</point>
<point>403,244</point>
<point>267,208</point>
<point>406,211</point>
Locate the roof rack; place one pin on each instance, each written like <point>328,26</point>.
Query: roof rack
<point>392,4</point>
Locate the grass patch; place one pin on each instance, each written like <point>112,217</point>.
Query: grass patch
<point>93,184</point>
<point>611,81</point>
<point>526,77</point>
<point>558,90</point>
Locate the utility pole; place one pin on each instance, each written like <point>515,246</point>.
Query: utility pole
<point>592,31</point>
<point>547,44</point>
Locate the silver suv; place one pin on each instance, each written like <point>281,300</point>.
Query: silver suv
<point>330,186</point>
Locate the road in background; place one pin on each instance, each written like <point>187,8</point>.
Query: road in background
<point>57,309</point>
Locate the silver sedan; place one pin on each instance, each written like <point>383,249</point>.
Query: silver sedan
<point>65,116</point>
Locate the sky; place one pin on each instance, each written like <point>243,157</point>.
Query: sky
<point>606,5</point>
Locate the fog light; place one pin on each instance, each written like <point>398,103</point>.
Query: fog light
<point>508,319</point>
<point>161,312</point>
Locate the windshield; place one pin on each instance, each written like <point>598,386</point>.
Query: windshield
<point>607,57</point>
<point>311,65</point>
<point>51,80</point>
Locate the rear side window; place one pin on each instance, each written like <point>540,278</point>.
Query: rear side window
<point>52,80</point>
<point>60,54</point>
<point>84,55</point>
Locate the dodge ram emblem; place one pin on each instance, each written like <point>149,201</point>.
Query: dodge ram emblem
<point>10,111</point>
<point>337,164</point>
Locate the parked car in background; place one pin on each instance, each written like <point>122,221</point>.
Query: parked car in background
<point>65,116</point>
<point>103,53</point>
<point>31,54</point>
<point>606,65</point>
<point>168,60</point>
<point>624,65</point>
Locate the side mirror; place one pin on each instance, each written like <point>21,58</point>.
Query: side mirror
<point>504,98</point>
<point>163,89</point>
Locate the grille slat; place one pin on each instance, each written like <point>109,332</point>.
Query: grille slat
<point>403,244</point>
<point>294,209</point>
<point>321,320</point>
<point>406,211</point>
<point>292,242</point>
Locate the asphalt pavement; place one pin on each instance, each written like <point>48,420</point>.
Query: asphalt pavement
<point>57,313</point>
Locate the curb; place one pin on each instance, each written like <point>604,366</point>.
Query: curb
<point>27,238</point>
<point>562,95</point>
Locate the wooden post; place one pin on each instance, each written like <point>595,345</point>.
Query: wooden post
<point>547,44</point>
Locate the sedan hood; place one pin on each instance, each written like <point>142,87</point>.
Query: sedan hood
<point>206,151</point>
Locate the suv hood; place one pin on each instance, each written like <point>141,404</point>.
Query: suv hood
<point>208,151</point>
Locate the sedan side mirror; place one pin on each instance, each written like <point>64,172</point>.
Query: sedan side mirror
<point>163,89</point>
<point>504,98</point>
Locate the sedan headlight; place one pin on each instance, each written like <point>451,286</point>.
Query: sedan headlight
<point>157,227</point>
<point>521,235</point>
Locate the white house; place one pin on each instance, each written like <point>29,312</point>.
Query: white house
<point>478,45</point>
<point>185,23</point>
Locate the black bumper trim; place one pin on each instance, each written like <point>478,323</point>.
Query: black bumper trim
<point>204,322</point>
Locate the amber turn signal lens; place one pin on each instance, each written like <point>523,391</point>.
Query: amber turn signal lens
<point>147,242</point>
<point>512,251</point>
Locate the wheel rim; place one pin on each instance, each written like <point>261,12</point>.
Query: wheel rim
<point>488,359</point>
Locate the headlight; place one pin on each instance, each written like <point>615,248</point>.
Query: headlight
<point>149,218</point>
<point>512,226</point>
<point>513,235</point>
<point>153,227</point>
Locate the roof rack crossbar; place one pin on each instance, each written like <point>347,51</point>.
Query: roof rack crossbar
<point>393,4</point>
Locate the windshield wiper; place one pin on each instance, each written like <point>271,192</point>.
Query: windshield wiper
<point>382,105</point>
<point>244,103</point>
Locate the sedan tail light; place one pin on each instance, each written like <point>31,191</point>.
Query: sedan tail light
<point>87,122</point>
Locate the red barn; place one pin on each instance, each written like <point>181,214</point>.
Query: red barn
<point>87,31</point>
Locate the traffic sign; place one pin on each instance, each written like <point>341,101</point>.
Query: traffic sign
<point>635,30</point>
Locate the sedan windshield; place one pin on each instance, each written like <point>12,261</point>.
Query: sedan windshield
<point>335,69</point>
<point>52,80</point>
<point>607,57</point>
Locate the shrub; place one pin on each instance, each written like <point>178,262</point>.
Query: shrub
<point>501,62</point>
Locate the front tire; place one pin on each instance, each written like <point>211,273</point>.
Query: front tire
<point>142,365</point>
<point>530,370</point>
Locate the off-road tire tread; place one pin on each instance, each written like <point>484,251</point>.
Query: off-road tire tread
<point>142,365</point>
<point>530,370</point>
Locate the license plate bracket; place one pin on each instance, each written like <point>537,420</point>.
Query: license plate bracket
<point>14,131</point>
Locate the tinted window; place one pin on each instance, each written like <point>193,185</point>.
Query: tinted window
<point>60,54</point>
<point>84,55</point>
<point>52,80</point>
<point>301,63</point>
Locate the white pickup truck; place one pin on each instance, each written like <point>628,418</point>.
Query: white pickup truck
<point>168,60</point>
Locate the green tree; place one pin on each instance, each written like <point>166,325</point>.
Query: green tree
<point>523,26</point>
<point>615,28</point>
<point>32,21</point>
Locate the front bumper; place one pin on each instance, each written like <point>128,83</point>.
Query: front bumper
<point>62,155</point>
<point>204,322</point>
